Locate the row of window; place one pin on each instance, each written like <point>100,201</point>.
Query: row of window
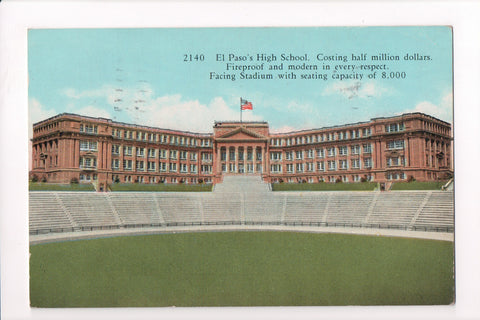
<point>320,153</point>
<point>151,166</point>
<point>46,127</point>
<point>333,179</point>
<point>249,168</point>
<point>88,128</point>
<point>158,179</point>
<point>241,156</point>
<point>162,153</point>
<point>322,137</point>
<point>330,165</point>
<point>394,127</point>
<point>160,138</point>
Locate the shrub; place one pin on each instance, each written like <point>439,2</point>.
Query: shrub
<point>363,179</point>
<point>338,180</point>
<point>34,178</point>
<point>200,181</point>
<point>44,179</point>
<point>410,179</point>
<point>74,180</point>
<point>117,180</point>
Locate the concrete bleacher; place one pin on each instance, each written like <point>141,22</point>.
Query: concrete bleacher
<point>396,208</point>
<point>437,211</point>
<point>241,200</point>
<point>47,213</point>
<point>89,209</point>
<point>136,209</point>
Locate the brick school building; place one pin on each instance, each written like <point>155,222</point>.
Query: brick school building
<point>103,151</point>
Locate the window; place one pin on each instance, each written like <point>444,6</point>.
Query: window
<point>207,157</point>
<point>127,164</point>
<point>183,155</point>
<point>115,164</point>
<point>310,153</point>
<point>206,169</point>
<point>355,149</point>
<point>367,163</point>
<point>290,168</point>
<point>193,168</point>
<point>299,154</point>
<point>193,156</point>
<point>343,164</point>
<point>162,166</point>
<point>367,132</point>
<point>395,144</point>
<point>88,128</point>
<point>354,134</point>
<point>367,148</point>
<point>331,152</point>
<point>173,154</point>
<point>356,163</point>
<point>88,146</point>
<point>115,149</point>
<point>276,168</point>
<point>127,151</point>
<point>332,165</point>
<point>320,153</point>
<point>116,133</point>
<point>394,127</point>
<point>343,151</point>
<point>140,152</point>
<point>172,167</point>
<point>310,167</point>
<point>162,154</point>
<point>183,167</point>
<point>395,161</point>
<point>151,166</point>
<point>320,166</point>
<point>289,155</point>
<point>151,153</point>
<point>231,156</point>
<point>87,162</point>
<point>140,165</point>
<point>275,156</point>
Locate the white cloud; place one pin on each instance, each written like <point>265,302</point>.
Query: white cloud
<point>190,115</point>
<point>355,89</point>
<point>443,110</point>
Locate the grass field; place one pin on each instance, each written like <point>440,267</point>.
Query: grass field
<point>323,186</point>
<point>39,186</point>
<point>241,269</point>
<point>417,185</point>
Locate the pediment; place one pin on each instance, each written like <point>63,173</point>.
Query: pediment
<point>241,134</point>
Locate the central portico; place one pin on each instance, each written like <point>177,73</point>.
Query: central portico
<point>240,148</point>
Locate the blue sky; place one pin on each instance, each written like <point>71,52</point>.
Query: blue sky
<point>139,76</point>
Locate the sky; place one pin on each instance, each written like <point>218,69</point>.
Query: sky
<point>141,76</point>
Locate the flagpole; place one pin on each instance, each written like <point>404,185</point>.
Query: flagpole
<point>240,109</point>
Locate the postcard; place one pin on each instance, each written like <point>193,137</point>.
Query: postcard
<point>273,166</point>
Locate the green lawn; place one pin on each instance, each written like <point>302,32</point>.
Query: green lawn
<point>241,269</point>
<point>160,187</point>
<point>323,186</point>
<point>416,185</point>
<point>39,186</point>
